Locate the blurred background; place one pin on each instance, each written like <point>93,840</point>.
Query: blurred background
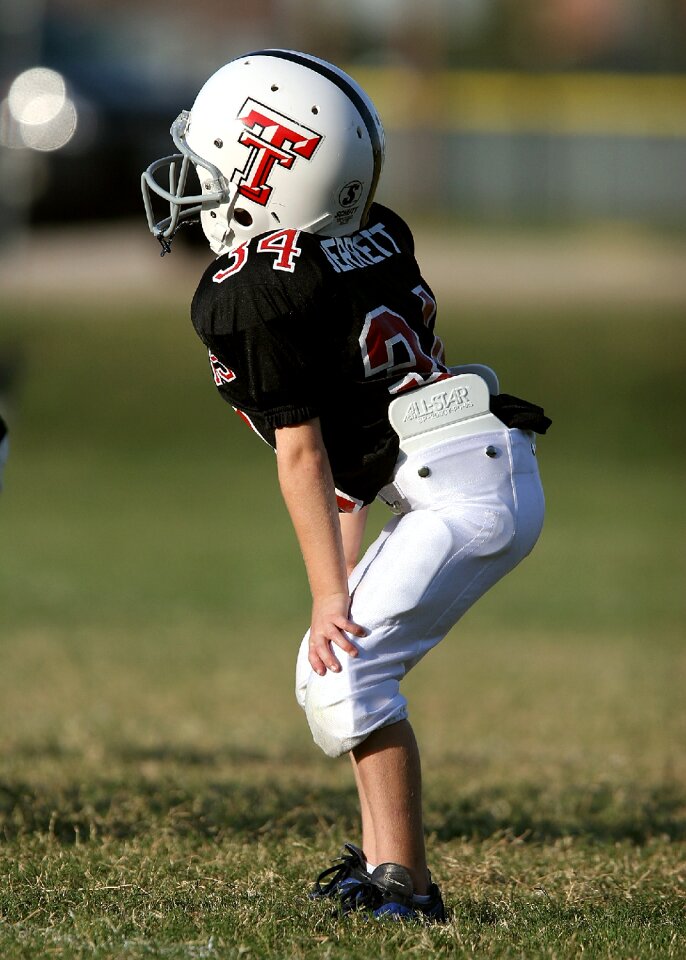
<point>497,110</point>
<point>500,114</point>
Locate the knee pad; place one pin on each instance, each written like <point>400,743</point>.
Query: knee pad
<point>330,719</point>
<point>329,711</point>
<point>339,721</point>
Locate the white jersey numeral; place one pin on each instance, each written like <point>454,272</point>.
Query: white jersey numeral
<point>388,343</point>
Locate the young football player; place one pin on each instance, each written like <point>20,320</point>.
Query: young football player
<point>320,333</point>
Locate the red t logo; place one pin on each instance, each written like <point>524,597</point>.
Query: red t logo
<point>271,138</point>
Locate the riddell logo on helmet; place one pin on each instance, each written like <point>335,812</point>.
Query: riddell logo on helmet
<point>271,139</point>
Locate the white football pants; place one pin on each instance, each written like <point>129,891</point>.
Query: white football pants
<point>474,510</point>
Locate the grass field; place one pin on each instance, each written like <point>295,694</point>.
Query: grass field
<point>159,794</point>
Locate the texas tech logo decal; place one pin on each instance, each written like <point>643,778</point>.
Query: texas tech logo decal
<point>271,139</point>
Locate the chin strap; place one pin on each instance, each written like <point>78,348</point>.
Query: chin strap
<point>166,242</point>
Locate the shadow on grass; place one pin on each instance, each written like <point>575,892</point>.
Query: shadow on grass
<point>606,812</point>
<point>277,805</point>
<point>131,753</point>
<point>116,809</point>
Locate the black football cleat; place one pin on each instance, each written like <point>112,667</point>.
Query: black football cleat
<point>348,871</point>
<point>388,894</point>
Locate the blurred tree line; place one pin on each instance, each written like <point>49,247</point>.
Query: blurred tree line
<point>616,35</point>
<point>540,35</point>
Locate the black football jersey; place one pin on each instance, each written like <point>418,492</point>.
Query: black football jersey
<point>300,326</point>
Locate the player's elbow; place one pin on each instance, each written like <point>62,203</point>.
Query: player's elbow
<point>300,448</point>
<point>301,461</point>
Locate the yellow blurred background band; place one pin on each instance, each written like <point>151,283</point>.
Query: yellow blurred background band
<point>632,105</point>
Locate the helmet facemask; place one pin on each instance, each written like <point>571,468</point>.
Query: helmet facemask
<point>218,195</point>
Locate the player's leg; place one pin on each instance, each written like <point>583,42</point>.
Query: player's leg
<point>474,517</point>
<point>389,778</point>
<point>368,832</point>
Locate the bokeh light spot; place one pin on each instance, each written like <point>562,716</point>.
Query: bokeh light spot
<point>37,95</point>
<point>41,115</point>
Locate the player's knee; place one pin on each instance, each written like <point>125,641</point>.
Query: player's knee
<point>339,721</point>
<point>330,719</point>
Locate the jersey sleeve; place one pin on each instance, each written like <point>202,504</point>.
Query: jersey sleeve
<point>259,334</point>
<point>267,374</point>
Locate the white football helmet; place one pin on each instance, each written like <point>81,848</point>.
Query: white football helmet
<point>278,139</point>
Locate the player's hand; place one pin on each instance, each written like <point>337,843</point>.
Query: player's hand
<point>329,621</point>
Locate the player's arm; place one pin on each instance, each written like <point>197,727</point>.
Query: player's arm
<point>352,532</point>
<point>308,491</point>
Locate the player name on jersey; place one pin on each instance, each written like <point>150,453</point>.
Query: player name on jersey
<point>362,249</point>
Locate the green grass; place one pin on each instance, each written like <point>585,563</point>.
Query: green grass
<point>159,794</point>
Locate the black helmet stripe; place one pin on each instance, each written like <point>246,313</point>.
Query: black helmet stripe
<point>352,93</point>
